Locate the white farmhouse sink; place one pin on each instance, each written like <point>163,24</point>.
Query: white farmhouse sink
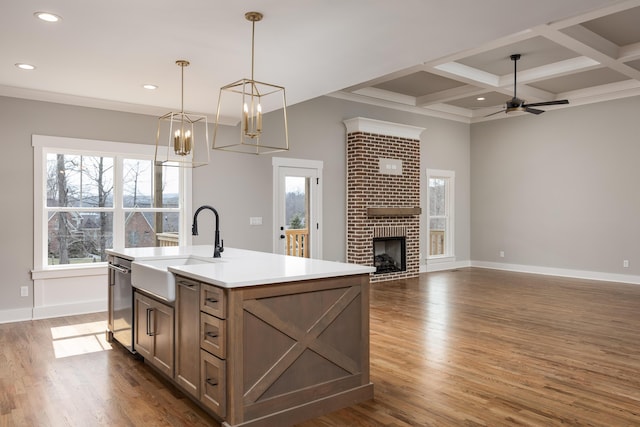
<point>154,277</point>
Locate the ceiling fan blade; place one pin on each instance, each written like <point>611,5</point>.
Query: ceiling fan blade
<point>533,110</point>
<point>497,112</point>
<point>541,104</point>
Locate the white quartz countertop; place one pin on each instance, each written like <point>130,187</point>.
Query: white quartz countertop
<point>240,267</point>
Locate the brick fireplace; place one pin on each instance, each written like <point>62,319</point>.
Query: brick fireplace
<point>383,197</point>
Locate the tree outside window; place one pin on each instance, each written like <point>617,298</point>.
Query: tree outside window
<point>80,205</point>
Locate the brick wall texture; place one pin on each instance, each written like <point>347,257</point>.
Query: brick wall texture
<point>368,188</point>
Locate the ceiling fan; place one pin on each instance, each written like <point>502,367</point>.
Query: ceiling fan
<point>517,104</point>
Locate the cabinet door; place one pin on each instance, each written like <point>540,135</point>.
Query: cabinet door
<point>187,332</point>
<point>153,332</point>
<point>162,332</point>
<point>213,383</point>
<point>142,339</point>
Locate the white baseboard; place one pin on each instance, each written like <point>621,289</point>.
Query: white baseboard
<point>45,312</point>
<point>16,315</point>
<point>562,272</point>
<point>533,269</point>
<point>441,266</point>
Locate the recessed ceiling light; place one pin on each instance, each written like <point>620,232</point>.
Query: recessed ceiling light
<point>25,66</point>
<point>150,87</point>
<point>46,16</point>
<point>480,98</point>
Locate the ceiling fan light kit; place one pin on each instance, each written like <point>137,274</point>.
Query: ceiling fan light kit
<point>517,105</point>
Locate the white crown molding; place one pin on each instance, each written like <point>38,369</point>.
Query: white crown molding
<point>361,124</point>
<point>88,102</point>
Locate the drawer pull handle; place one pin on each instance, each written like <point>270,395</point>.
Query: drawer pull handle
<point>212,382</point>
<point>212,334</point>
<point>212,300</point>
<point>186,284</point>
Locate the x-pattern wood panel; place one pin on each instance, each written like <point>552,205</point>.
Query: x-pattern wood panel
<point>304,340</point>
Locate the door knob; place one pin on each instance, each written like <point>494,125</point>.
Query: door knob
<point>282,236</point>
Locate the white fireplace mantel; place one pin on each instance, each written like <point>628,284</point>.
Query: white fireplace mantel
<point>362,124</point>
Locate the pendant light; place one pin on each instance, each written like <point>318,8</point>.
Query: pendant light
<point>245,102</point>
<point>182,138</point>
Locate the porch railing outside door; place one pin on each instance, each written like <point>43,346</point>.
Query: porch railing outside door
<point>297,242</point>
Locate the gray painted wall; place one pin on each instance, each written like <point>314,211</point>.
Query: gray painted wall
<point>238,185</point>
<point>19,119</point>
<point>559,190</point>
<point>316,132</point>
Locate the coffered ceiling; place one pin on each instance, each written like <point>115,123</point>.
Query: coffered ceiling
<point>586,58</point>
<point>432,57</point>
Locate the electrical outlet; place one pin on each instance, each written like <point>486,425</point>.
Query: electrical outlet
<point>501,254</point>
<point>24,291</point>
<point>625,263</point>
<point>255,220</point>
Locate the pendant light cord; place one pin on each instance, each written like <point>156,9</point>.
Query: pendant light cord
<point>253,42</point>
<point>182,88</point>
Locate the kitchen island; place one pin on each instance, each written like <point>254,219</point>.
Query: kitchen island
<point>258,339</point>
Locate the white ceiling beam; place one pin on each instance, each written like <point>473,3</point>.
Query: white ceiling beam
<point>603,92</point>
<point>469,74</point>
<point>593,40</point>
<point>464,117</point>
<point>450,95</point>
<point>595,14</point>
<point>451,109</point>
<point>579,44</point>
<point>630,52</point>
<point>386,95</point>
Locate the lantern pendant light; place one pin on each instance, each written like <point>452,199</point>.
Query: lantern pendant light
<point>245,102</point>
<point>183,138</point>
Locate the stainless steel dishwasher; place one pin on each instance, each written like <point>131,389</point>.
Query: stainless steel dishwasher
<point>121,302</point>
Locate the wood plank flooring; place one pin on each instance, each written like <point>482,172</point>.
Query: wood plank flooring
<point>471,347</point>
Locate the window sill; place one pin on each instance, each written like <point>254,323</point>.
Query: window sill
<point>58,272</point>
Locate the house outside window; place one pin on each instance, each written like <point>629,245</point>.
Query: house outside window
<point>440,210</point>
<point>91,196</point>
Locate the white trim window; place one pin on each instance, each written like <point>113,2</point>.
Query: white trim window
<point>90,196</point>
<point>440,215</point>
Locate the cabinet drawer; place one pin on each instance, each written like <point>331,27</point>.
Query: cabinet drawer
<point>212,301</point>
<point>213,335</point>
<point>213,383</point>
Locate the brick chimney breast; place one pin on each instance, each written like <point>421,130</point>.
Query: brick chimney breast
<point>373,148</point>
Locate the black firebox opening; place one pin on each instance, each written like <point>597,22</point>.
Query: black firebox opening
<point>389,254</point>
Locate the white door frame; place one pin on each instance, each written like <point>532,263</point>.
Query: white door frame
<point>315,213</point>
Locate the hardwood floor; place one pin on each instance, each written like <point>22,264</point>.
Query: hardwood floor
<point>471,347</point>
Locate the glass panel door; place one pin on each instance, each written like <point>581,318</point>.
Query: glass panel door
<point>295,211</point>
